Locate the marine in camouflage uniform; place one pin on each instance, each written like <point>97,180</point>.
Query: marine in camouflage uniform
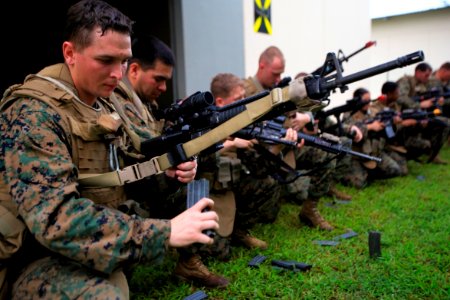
<point>49,138</point>
<point>42,177</point>
<point>271,66</point>
<point>440,81</point>
<point>226,172</point>
<point>436,133</point>
<point>374,143</point>
<point>148,70</point>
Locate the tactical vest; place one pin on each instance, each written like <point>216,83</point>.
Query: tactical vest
<point>252,86</point>
<point>89,142</point>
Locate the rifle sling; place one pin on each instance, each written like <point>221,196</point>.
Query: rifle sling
<point>158,164</point>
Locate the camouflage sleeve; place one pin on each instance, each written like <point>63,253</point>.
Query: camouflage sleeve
<point>137,123</point>
<point>43,183</point>
<point>406,91</point>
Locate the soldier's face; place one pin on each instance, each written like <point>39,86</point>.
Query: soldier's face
<point>151,83</point>
<point>423,76</point>
<point>271,72</point>
<point>237,93</point>
<point>97,69</point>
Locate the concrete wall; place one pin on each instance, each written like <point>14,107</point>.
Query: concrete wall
<point>217,36</point>
<point>307,30</point>
<point>427,31</point>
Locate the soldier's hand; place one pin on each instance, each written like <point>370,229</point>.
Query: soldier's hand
<point>358,135</point>
<point>375,126</point>
<point>298,120</point>
<point>427,103</point>
<point>184,172</point>
<point>243,144</point>
<point>409,122</point>
<point>187,228</point>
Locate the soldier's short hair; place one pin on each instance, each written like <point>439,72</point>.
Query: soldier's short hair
<point>270,53</point>
<point>389,87</point>
<point>84,16</point>
<point>423,67</point>
<point>359,92</point>
<point>445,65</point>
<point>147,49</point>
<point>223,83</point>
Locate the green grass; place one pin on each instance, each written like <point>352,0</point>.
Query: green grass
<point>411,213</point>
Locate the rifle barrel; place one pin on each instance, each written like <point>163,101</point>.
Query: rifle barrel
<point>330,83</point>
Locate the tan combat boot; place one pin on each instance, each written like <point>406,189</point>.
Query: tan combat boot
<point>243,237</point>
<point>310,215</point>
<point>334,192</point>
<point>190,268</point>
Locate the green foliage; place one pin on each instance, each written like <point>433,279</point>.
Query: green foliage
<point>412,214</point>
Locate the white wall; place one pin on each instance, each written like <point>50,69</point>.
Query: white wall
<point>427,31</point>
<point>306,30</point>
<point>217,36</point>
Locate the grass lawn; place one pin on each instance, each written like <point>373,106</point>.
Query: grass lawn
<point>412,214</point>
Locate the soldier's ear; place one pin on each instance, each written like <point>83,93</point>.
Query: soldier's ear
<point>68,51</point>
<point>219,101</point>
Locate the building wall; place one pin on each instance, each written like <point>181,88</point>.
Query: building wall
<point>427,31</point>
<point>218,36</point>
<point>209,40</point>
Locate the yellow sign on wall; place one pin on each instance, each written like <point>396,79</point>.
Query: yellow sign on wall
<point>262,17</point>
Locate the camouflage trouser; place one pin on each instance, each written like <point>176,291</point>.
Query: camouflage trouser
<point>415,144</point>
<point>358,175</point>
<point>343,163</point>
<point>436,132</point>
<point>297,191</point>
<point>257,201</point>
<point>60,278</point>
<point>323,166</point>
<point>220,249</point>
<point>392,164</point>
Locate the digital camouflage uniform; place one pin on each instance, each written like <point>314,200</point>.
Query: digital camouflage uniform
<point>305,189</point>
<point>373,144</point>
<point>48,139</point>
<point>168,196</point>
<point>434,133</point>
<point>257,193</point>
<point>317,183</point>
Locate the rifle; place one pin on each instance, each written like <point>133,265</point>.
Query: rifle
<point>387,115</point>
<point>329,68</point>
<point>352,106</point>
<point>436,94</point>
<point>198,116</point>
<point>272,131</point>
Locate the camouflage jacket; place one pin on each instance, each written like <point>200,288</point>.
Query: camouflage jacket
<point>40,172</point>
<point>409,87</point>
